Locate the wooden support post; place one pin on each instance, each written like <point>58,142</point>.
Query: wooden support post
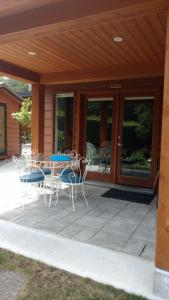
<point>38,118</point>
<point>77,119</point>
<point>161,284</point>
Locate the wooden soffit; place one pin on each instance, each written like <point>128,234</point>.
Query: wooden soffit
<point>73,39</point>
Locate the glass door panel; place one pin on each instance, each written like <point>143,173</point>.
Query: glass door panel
<point>99,134</point>
<point>135,140</point>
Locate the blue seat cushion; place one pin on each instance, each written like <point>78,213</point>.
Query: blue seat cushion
<point>32,177</point>
<point>60,157</point>
<point>74,179</point>
<point>46,171</point>
<point>65,171</point>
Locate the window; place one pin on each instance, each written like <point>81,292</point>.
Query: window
<point>64,104</point>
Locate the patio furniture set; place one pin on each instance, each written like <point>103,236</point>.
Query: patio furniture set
<point>62,172</point>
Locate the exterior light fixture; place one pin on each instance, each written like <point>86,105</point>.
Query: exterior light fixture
<point>32,53</point>
<point>118,39</point>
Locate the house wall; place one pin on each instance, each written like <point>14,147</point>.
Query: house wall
<point>13,128</point>
<point>49,121</point>
<point>80,90</point>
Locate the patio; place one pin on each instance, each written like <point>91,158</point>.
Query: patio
<point>114,224</point>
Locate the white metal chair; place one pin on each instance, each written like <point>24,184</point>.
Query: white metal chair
<point>75,178</point>
<point>29,174</point>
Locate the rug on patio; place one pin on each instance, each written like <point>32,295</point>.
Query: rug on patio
<point>131,196</point>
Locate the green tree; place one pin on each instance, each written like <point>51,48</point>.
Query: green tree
<point>24,117</point>
<point>15,85</point>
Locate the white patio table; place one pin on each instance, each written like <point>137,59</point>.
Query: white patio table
<point>53,163</point>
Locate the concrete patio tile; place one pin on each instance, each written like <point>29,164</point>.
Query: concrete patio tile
<point>113,241</point>
<point>104,213</point>
<point>128,217</point>
<point>148,234</point>
<point>150,221</point>
<point>114,203</point>
<point>120,228</point>
<point>60,213</point>
<point>28,220</point>
<point>94,222</point>
<point>134,246</point>
<point>85,234</point>
<point>149,251</point>
<point>139,209</point>
<point>53,227</point>
<point>12,214</point>
<point>72,217</point>
<point>71,230</point>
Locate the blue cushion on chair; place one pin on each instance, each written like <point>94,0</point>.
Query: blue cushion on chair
<point>32,177</point>
<point>65,171</point>
<point>60,157</point>
<point>46,171</point>
<point>74,179</point>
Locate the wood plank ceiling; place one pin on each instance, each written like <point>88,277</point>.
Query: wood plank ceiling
<point>8,7</point>
<point>89,45</point>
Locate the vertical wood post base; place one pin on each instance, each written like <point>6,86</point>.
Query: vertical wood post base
<point>161,284</point>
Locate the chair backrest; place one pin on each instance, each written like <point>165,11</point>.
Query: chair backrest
<point>40,156</point>
<point>77,168</point>
<point>20,163</point>
<point>73,154</point>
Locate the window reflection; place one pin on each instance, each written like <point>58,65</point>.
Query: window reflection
<point>99,131</point>
<point>64,122</point>
<point>137,137</point>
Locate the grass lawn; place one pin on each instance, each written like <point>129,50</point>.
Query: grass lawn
<point>47,283</point>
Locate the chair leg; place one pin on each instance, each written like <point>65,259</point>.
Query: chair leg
<point>84,195</point>
<point>50,200</point>
<point>57,198</point>
<point>45,199</point>
<point>72,198</point>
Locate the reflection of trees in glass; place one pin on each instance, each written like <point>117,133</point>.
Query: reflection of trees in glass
<point>64,123</point>
<point>144,122</point>
<point>137,134</point>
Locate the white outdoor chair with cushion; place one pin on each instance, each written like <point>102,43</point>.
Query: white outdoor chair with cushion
<point>30,174</point>
<point>39,157</point>
<point>75,178</point>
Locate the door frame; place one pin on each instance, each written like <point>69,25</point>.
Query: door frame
<point>131,180</point>
<point>117,119</point>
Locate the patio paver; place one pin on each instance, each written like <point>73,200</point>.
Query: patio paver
<point>114,224</point>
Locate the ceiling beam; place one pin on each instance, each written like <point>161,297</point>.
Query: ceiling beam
<point>130,71</point>
<point>66,15</point>
<point>7,68</point>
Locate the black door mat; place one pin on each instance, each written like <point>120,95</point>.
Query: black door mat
<point>131,196</point>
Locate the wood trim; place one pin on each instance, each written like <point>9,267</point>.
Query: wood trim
<point>77,122</point>
<point>18,72</point>
<point>102,86</point>
<point>38,95</point>
<point>62,16</point>
<point>97,74</point>
<point>162,245</point>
